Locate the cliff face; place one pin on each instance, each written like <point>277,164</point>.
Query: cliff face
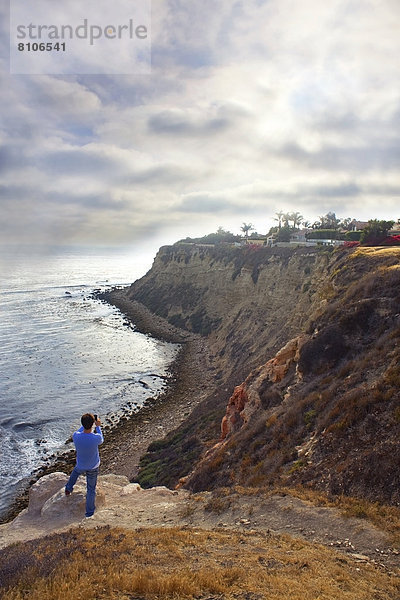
<point>248,302</point>
<point>323,409</point>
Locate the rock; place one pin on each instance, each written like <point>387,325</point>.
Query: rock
<point>44,489</point>
<point>64,506</point>
<point>47,496</point>
<point>60,506</point>
<point>277,367</point>
<point>161,490</point>
<point>131,488</point>
<point>233,418</point>
<point>360,557</point>
<point>120,480</point>
<point>245,400</point>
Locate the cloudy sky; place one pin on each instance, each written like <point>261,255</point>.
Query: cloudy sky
<point>251,106</point>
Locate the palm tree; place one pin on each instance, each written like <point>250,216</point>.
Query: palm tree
<point>279,214</point>
<point>297,218</point>
<point>246,227</point>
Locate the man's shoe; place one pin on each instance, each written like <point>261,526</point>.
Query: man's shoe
<point>67,492</point>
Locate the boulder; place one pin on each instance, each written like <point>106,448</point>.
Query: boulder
<point>47,496</point>
<point>44,489</point>
<point>73,506</point>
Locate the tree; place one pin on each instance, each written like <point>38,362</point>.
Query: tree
<point>345,223</point>
<point>297,218</point>
<point>279,215</point>
<point>272,230</point>
<point>332,221</point>
<point>221,236</point>
<point>328,221</point>
<point>375,232</point>
<point>246,227</point>
<point>284,234</point>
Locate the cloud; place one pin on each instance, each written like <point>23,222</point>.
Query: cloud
<point>250,107</point>
<point>204,203</point>
<point>386,156</point>
<point>178,122</point>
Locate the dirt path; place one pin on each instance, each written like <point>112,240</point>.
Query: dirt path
<point>286,514</point>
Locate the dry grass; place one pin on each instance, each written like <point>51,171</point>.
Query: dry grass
<point>376,251</point>
<point>183,564</point>
<point>384,517</point>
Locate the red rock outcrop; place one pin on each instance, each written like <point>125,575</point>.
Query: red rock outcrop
<point>234,410</point>
<point>245,400</point>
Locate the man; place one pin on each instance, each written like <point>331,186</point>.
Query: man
<point>87,458</point>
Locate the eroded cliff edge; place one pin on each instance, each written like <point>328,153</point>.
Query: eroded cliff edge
<point>306,353</point>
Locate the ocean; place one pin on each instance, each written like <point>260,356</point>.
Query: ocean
<point>63,352</point>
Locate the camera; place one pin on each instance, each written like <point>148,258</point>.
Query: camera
<point>95,417</point>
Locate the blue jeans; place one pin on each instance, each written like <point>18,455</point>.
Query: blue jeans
<point>91,480</point>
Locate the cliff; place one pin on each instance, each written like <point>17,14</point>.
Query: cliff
<point>310,339</point>
<point>247,301</point>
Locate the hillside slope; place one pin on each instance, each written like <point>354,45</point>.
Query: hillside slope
<point>325,411</point>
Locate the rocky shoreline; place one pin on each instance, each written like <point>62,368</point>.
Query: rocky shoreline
<point>190,382</point>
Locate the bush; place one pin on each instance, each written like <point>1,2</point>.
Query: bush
<point>325,350</point>
<point>324,234</point>
<point>284,234</point>
<point>351,244</point>
<point>392,240</point>
<point>376,232</point>
<point>353,236</point>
